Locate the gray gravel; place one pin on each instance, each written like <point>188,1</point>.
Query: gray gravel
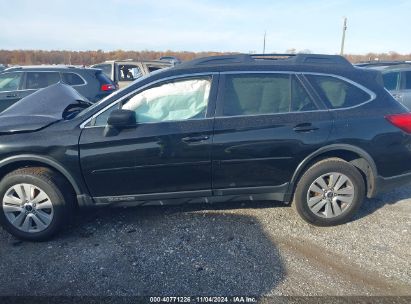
<point>260,248</point>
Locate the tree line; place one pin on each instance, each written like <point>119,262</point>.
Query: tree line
<point>35,57</point>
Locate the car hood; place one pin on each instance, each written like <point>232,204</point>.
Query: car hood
<point>41,109</point>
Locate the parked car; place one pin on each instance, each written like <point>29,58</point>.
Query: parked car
<point>123,72</point>
<point>18,82</point>
<point>308,129</point>
<point>380,63</point>
<point>397,80</point>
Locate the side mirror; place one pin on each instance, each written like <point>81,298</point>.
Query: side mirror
<point>122,119</point>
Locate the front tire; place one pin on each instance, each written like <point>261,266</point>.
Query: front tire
<point>329,193</point>
<point>35,203</point>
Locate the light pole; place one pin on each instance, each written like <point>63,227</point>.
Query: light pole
<point>265,33</point>
<point>343,36</point>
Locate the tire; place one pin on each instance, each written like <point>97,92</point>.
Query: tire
<point>342,192</point>
<point>35,203</point>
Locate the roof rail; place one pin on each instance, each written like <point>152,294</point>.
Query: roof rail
<point>272,56</point>
<point>302,59</point>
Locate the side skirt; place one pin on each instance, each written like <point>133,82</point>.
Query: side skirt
<point>276,193</point>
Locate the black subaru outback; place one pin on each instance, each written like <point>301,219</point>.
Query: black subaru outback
<point>308,129</point>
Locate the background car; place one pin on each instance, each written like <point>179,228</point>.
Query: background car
<point>396,76</point>
<point>19,82</point>
<point>123,72</point>
<point>397,80</point>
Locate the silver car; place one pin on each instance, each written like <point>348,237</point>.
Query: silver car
<point>397,80</point>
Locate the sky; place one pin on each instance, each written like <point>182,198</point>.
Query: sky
<point>206,25</point>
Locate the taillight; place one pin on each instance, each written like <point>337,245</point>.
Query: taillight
<point>402,121</point>
<point>108,87</point>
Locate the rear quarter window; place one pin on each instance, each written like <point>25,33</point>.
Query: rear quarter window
<point>103,79</point>
<point>72,79</point>
<point>338,93</point>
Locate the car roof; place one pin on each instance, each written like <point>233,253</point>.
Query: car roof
<point>256,62</point>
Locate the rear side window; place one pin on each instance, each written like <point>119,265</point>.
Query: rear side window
<point>391,80</point>
<point>264,94</point>
<point>338,93</point>
<point>72,79</point>
<point>38,80</point>
<point>407,80</point>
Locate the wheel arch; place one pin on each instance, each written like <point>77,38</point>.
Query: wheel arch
<point>352,154</point>
<point>10,164</point>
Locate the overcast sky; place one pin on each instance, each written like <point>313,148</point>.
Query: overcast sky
<point>206,25</point>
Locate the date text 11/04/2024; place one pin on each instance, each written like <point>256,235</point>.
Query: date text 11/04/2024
<point>204,299</point>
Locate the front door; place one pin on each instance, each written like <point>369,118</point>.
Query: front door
<point>168,153</point>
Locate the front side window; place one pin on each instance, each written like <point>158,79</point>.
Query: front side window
<point>338,93</point>
<point>253,94</point>
<point>391,80</point>
<point>178,100</point>
<point>10,81</point>
<point>38,80</point>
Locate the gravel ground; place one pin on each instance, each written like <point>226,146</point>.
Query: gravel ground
<point>260,248</point>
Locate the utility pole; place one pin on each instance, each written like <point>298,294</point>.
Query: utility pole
<point>343,36</point>
<point>265,33</point>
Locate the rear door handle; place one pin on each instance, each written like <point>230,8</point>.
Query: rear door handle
<point>11,95</point>
<point>195,139</point>
<point>304,128</point>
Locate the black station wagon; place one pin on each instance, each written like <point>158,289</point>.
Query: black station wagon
<point>311,130</point>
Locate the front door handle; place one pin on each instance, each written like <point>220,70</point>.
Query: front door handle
<point>192,139</point>
<point>11,95</point>
<point>304,128</point>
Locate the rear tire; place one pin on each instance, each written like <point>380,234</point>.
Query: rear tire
<point>35,203</point>
<point>329,193</point>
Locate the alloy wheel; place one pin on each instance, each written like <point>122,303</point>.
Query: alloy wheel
<point>330,195</point>
<point>28,208</point>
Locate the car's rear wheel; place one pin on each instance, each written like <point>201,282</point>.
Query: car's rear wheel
<point>329,192</point>
<point>35,203</point>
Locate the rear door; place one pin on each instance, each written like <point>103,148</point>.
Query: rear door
<point>265,124</point>
<point>10,89</point>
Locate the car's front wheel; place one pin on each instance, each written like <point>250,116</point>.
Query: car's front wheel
<point>329,192</point>
<point>35,203</point>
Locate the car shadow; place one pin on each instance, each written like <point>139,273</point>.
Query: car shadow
<point>148,251</point>
<point>370,206</point>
